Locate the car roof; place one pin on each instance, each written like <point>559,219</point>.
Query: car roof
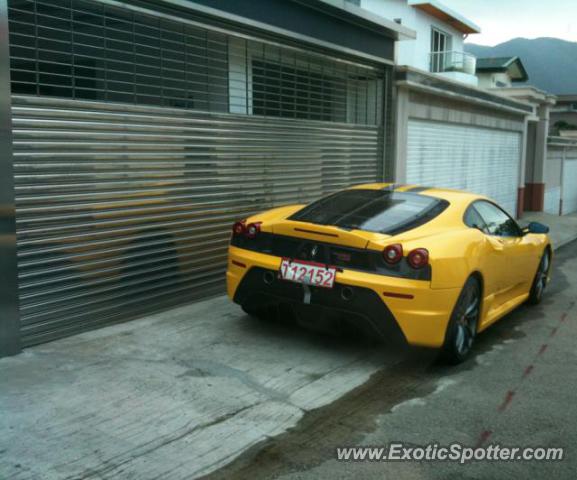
<point>443,193</point>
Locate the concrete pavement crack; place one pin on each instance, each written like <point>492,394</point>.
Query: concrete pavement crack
<point>156,444</point>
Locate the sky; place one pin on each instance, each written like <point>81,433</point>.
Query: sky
<point>502,20</point>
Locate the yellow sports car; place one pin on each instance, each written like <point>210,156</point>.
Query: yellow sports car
<point>432,267</point>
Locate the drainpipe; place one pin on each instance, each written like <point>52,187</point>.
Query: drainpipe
<point>561,183</point>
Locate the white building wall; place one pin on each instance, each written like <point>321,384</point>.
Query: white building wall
<point>414,53</point>
<point>494,80</point>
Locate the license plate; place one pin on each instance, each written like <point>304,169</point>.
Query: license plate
<point>308,273</point>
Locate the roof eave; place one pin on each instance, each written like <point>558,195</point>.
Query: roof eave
<point>524,74</point>
<point>447,15</point>
<point>504,68</point>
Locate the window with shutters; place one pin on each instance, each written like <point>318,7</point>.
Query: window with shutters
<point>88,50</point>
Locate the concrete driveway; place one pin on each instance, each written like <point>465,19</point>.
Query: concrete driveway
<point>175,395</point>
<point>182,394</point>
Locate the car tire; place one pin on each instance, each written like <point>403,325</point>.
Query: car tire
<point>462,327</point>
<point>540,280</point>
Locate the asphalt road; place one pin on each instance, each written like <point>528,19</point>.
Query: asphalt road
<point>519,389</point>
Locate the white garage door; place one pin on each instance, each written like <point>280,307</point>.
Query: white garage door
<point>478,160</point>
<point>569,187</point>
<point>552,199</point>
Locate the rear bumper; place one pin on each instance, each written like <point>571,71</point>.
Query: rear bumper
<point>420,320</point>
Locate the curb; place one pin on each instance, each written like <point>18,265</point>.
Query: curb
<point>564,242</point>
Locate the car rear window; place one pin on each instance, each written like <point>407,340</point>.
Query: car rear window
<point>381,211</point>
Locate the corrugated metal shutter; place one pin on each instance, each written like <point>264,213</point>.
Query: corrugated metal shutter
<point>140,137</point>
<point>122,210</point>
<point>569,187</point>
<point>470,158</point>
<point>552,200</point>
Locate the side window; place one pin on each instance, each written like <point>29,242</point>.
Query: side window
<point>473,219</point>
<point>497,222</point>
<point>440,50</point>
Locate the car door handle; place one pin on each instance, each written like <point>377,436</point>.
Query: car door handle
<point>497,243</point>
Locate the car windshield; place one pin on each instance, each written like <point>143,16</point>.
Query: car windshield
<point>381,211</point>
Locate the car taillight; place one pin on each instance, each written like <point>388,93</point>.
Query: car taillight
<point>252,230</point>
<point>418,258</point>
<point>393,253</point>
<point>239,228</point>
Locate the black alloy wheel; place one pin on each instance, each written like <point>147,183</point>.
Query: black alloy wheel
<point>541,279</point>
<point>462,328</point>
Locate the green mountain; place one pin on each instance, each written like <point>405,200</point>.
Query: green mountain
<point>550,62</point>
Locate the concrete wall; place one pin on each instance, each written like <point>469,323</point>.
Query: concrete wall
<point>430,107</point>
<point>414,53</point>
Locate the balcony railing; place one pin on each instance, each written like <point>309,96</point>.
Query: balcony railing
<point>453,61</point>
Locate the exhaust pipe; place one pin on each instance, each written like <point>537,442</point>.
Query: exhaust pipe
<point>268,278</point>
<point>347,294</point>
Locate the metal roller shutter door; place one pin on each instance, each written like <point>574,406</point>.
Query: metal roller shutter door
<point>552,200</point>
<point>478,160</point>
<point>121,211</point>
<point>123,207</point>
<point>569,186</point>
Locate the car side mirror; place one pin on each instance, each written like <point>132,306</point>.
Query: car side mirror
<point>536,227</point>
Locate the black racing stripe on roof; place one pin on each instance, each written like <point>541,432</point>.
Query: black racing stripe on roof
<point>394,186</point>
<point>418,189</point>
